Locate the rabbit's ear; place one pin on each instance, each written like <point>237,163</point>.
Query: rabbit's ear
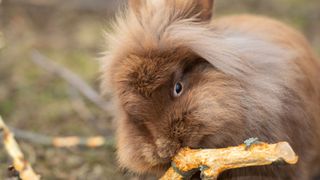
<point>203,7</point>
<point>206,8</point>
<point>134,5</point>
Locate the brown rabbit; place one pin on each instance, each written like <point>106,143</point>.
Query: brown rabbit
<point>181,79</point>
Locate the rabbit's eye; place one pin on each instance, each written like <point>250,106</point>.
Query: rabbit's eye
<point>177,89</point>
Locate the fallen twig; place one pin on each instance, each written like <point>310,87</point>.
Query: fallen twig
<point>73,79</point>
<point>13,173</point>
<point>62,142</point>
<point>211,162</point>
<point>92,5</point>
<point>20,164</point>
<point>80,107</point>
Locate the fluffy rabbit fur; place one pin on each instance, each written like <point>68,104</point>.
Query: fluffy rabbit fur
<point>241,76</point>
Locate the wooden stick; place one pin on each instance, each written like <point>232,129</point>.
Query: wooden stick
<point>212,162</point>
<point>63,142</point>
<point>20,164</point>
<point>73,79</point>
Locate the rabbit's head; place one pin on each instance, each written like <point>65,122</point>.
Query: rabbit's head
<point>168,94</point>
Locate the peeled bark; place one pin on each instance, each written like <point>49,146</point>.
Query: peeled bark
<point>211,162</point>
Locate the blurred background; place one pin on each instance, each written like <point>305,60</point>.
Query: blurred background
<point>70,33</point>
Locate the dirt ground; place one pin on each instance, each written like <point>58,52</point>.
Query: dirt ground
<point>35,100</point>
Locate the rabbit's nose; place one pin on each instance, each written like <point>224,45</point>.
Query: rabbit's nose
<point>179,129</point>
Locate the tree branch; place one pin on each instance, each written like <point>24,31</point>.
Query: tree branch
<point>63,142</point>
<point>71,78</point>
<point>19,162</point>
<point>211,162</point>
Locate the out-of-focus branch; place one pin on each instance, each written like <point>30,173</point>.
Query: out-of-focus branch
<point>211,162</point>
<point>79,106</point>
<point>35,2</point>
<point>70,77</point>
<point>2,39</point>
<point>20,164</point>
<point>92,5</point>
<point>63,142</point>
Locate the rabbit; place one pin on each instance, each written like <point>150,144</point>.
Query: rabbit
<point>180,77</point>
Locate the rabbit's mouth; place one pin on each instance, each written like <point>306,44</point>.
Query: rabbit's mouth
<point>167,149</point>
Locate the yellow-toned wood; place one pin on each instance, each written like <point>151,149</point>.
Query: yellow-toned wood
<point>219,160</point>
<point>19,163</point>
